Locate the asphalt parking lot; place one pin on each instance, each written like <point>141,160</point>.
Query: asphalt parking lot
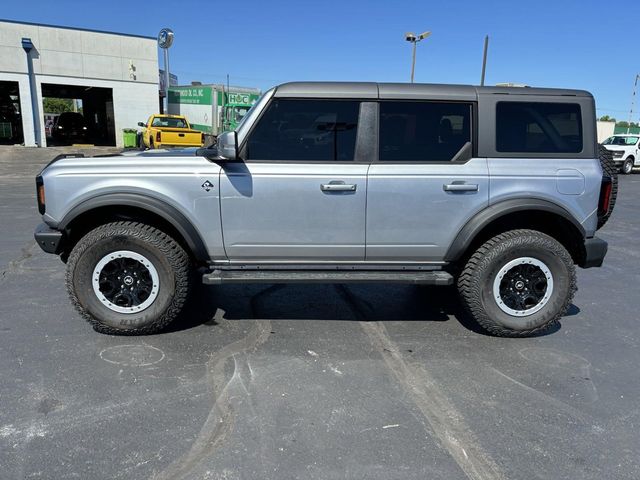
<point>314,382</point>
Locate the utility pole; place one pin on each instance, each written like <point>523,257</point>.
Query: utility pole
<point>411,37</point>
<point>633,101</point>
<point>484,59</point>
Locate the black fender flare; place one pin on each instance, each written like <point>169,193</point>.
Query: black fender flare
<point>158,207</point>
<point>479,221</point>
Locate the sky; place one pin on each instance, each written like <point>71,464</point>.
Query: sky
<point>584,44</point>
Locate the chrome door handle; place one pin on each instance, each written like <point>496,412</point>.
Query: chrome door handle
<point>338,187</point>
<point>460,187</point>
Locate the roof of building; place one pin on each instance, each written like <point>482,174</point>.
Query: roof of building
<point>77,29</point>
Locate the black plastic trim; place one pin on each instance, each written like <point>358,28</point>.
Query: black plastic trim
<point>595,250</point>
<point>49,239</point>
<point>153,205</point>
<point>474,226</point>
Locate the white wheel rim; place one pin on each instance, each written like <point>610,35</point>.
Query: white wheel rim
<point>504,299</point>
<point>128,282</point>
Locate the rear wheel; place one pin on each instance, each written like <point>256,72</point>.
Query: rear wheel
<point>518,283</point>
<point>128,278</point>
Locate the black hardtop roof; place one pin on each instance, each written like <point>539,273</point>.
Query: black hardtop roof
<point>375,90</point>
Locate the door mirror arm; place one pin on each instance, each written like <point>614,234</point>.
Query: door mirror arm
<point>225,151</point>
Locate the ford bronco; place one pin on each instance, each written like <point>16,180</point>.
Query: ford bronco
<point>498,190</point>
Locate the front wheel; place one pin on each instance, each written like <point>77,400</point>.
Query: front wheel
<point>128,278</point>
<point>518,283</point>
<point>627,166</point>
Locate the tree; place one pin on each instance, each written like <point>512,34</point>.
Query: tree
<point>607,118</point>
<point>57,105</point>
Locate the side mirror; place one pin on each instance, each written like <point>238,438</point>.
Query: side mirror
<point>225,150</point>
<point>140,124</point>
<point>228,146</point>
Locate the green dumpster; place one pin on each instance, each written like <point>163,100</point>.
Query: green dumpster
<point>129,136</point>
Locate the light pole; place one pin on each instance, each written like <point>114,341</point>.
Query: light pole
<point>411,37</point>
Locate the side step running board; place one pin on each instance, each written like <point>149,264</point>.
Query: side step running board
<point>218,277</point>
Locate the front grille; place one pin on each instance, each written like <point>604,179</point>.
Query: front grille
<point>617,153</point>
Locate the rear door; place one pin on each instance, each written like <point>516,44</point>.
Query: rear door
<point>426,183</point>
<point>298,195</point>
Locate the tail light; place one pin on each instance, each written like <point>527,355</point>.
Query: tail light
<point>40,194</point>
<point>158,137</point>
<point>605,196</point>
<point>202,138</point>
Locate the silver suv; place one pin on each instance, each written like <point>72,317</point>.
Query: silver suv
<point>499,190</point>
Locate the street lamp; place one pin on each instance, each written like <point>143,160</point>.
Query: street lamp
<point>411,37</point>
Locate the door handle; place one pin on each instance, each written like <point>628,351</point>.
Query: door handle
<point>338,187</point>
<point>460,187</point>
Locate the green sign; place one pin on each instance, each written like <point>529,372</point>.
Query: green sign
<point>239,99</point>
<point>192,96</point>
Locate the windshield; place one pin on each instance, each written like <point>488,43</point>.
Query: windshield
<point>621,141</point>
<point>238,114</point>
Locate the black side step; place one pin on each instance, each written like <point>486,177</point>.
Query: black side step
<point>218,277</point>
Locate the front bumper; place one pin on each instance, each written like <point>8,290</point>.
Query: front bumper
<point>595,250</point>
<point>48,239</point>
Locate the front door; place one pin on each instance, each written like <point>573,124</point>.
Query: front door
<point>297,195</point>
<point>426,184</point>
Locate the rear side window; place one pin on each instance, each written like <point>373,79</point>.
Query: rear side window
<point>529,127</point>
<point>305,130</point>
<point>423,131</point>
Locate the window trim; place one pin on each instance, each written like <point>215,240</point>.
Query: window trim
<point>474,133</point>
<point>243,146</point>
<point>522,154</point>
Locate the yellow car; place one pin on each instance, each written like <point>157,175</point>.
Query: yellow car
<point>169,131</point>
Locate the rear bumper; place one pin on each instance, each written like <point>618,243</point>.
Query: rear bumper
<point>48,239</point>
<point>595,250</point>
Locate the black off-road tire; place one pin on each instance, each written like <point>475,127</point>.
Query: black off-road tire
<point>168,258</point>
<point>610,170</point>
<point>475,283</point>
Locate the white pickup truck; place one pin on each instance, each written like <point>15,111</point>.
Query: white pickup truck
<point>626,151</point>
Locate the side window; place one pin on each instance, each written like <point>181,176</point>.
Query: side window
<point>305,130</point>
<point>423,131</point>
<point>530,127</point>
